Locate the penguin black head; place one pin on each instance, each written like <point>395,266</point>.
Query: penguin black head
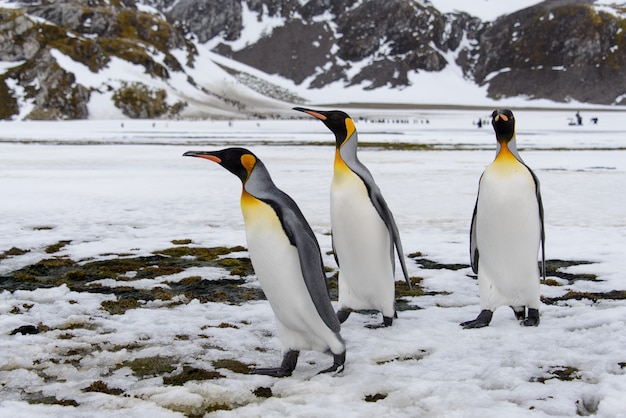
<point>337,121</point>
<point>503,123</point>
<point>238,161</point>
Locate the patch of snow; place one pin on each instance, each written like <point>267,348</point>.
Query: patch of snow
<point>115,187</point>
<point>486,10</point>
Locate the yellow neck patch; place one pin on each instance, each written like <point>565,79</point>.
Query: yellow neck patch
<point>340,166</point>
<point>505,153</point>
<point>505,162</point>
<point>248,162</point>
<point>247,199</point>
<point>350,128</point>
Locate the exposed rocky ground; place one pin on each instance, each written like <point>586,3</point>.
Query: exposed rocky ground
<point>561,50</point>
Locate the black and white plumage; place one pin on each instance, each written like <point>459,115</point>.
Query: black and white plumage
<point>506,232</point>
<point>364,231</point>
<point>286,258</point>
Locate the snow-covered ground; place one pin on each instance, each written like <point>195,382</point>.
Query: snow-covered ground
<point>113,187</point>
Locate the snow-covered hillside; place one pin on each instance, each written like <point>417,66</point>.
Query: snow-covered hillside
<point>77,68</point>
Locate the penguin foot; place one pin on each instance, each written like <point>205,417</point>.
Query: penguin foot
<point>342,315</point>
<point>387,322</point>
<point>271,371</point>
<point>533,318</point>
<point>482,320</point>
<point>520,312</point>
<point>338,364</point>
<point>290,359</point>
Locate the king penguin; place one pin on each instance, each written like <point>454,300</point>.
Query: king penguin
<point>287,261</point>
<point>506,231</point>
<point>364,232</point>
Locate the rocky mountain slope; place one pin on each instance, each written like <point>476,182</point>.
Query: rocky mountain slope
<point>240,58</point>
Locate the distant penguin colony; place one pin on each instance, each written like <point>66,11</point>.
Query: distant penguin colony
<point>505,236</point>
<point>364,232</point>
<point>506,231</point>
<point>287,261</point>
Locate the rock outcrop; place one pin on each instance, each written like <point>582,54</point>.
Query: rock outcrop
<point>561,50</point>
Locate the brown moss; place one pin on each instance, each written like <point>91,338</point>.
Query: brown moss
<point>191,373</point>
<point>12,252</point>
<point>119,307</point>
<point>80,49</point>
<point>201,254</point>
<point>102,387</point>
<point>151,366</point>
<point>563,373</point>
<point>592,296</point>
<point>237,266</point>
<point>227,325</point>
<point>550,282</point>
<point>402,290</point>
<point>181,241</point>
<point>138,100</point>
<point>191,280</point>
<point>56,247</point>
<point>234,366</point>
<point>8,102</point>
<point>55,262</point>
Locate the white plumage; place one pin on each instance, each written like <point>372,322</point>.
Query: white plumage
<point>362,242</point>
<point>508,236</point>
<point>507,231</point>
<point>277,267</point>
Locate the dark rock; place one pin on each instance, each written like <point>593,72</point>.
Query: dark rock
<point>25,329</point>
<point>294,50</point>
<point>208,18</point>
<point>17,40</point>
<point>559,50</point>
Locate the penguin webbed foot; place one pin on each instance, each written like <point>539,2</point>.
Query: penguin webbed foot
<point>533,318</point>
<point>520,312</point>
<point>482,320</point>
<point>338,364</point>
<point>271,371</point>
<point>387,322</point>
<point>290,359</point>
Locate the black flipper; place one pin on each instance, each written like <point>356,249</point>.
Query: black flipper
<point>482,320</point>
<point>349,155</point>
<point>301,236</point>
<point>474,254</point>
<point>290,359</point>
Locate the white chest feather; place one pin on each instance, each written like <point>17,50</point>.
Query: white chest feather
<point>363,246</point>
<point>507,235</point>
<point>277,266</point>
<point>274,259</point>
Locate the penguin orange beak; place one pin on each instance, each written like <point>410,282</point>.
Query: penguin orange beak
<point>313,113</point>
<point>202,154</point>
